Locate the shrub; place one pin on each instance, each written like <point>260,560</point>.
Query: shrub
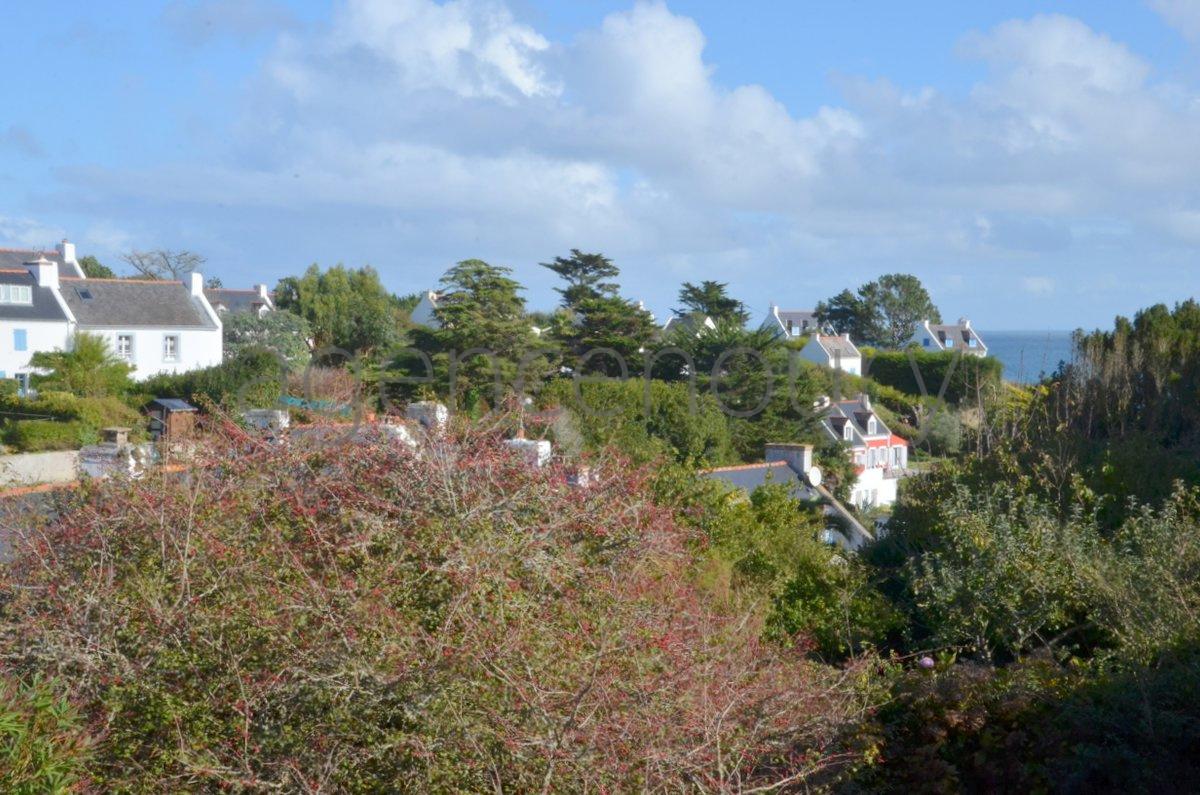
<point>35,436</point>
<point>88,369</point>
<point>43,747</point>
<point>969,373</point>
<point>363,618</point>
<point>250,380</point>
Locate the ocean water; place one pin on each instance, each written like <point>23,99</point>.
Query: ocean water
<point>1027,355</point>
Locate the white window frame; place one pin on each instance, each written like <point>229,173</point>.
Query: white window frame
<point>126,355</point>
<point>872,426</point>
<point>16,294</point>
<point>22,383</point>
<point>174,357</point>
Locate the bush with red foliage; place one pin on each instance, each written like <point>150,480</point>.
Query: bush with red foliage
<point>356,616</point>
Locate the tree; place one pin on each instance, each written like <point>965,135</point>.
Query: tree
<point>845,313</point>
<point>345,308</point>
<point>164,263</point>
<point>710,298</point>
<point>281,332</point>
<point>899,301</point>
<point>213,283</point>
<point>94,269</point>
<point>584,274</point>
<point>88,369</point>
<point>883,313</point>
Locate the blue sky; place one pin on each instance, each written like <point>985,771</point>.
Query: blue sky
<point>1036,164</point>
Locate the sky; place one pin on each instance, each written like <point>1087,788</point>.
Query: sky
<point>1037,165</point>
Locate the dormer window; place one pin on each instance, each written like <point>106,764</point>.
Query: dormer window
<point>847,432</point>
<point>16,294</point>
<point>872,426</point>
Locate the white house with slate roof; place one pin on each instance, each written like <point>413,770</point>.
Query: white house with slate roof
<point>793,322</point>
<point>227,301</point>
<point>960,336</point>
<point>834,351</point>
<point>157,326</point>
<point>880,457</point>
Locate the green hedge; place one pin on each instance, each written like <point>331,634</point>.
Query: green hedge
<point>894,369</point>
<point>250,380</point>
<point>35,436</point>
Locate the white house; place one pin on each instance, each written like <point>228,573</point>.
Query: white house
<point>695,322</point>
<point>792,322</point>
<point>880,456</point>
<point>835,351</point>
<point>960,336</point>
<point>424,313</point>
<point>157,326</point>
<point>227,301</point>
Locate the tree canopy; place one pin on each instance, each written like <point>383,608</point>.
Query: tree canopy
<point>94,269</point>
<point>346,308</point>
<point>584,275</point>
<point>163,263</point>
<point>883,313</point>
<point>281,332</point>
<point>712,298</point>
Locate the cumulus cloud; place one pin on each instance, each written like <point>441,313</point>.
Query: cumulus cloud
<point>460,122</point>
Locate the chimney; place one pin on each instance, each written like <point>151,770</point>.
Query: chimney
<point>964,322</point>
<point>846,336</point>
<point>261,289</point>
<point>67,249</point>
<point>44,272</point>
<point>797,456</point>
<point>197,285</point>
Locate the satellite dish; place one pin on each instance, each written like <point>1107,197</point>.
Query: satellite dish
<point>814,476</point>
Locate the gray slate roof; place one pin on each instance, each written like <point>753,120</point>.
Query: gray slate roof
<point>17,257</point>
<point>798,317</point>
<point>954,331</point>
<point>234,300</point>
<point>134,303</point>
<point>44,307</point>
<point>751,476</point>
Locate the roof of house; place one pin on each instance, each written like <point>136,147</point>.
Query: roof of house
<point>750,476</point>
<point>836,343</point>
<point>692,322</point>
<point>797,316</point>
<point>134,302</point>
<point>235,300</point>
<point>17,257</point>
<point>44,306</point>
<point>958,331</point>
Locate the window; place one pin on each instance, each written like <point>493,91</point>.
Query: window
<point>125,346</point>
<point>789,328</point>
<point>22,384</point>
<point>16,294</point>
<point>847,432</point>
<point>925,342</point>
<point>871,426</point>
<point>20,340</point>
<point>972,342</point>
<point>170,347</point>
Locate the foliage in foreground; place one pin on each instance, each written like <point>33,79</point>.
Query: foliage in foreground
<point>367,618</point>
<point>43,746</point>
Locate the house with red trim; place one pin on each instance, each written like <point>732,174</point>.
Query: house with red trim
<point>880,456</point>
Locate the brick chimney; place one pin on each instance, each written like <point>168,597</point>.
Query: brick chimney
<point>44,272</point>
<point>797,456</point>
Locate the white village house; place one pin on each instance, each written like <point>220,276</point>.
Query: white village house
<point>880,456</point>
<point>792,322</point>
<point>156,325</point>
<point>960,336</point>
<point>227,301</point>
<point>834,351</point>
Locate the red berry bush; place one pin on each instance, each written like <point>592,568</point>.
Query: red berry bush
<point>352,615</point>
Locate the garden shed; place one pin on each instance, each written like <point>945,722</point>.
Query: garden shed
<point>171,418</point>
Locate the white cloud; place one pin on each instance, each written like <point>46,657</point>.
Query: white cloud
<point>1181,14</point>
<point>470,131</point>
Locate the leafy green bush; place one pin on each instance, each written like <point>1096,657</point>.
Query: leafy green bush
<point>969,373</point>
<point>35,436</point>
<point>43,747</point>
<point>253,379</point>
<point>644,426</point>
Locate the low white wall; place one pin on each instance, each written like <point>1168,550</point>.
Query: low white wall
<point>28,469</point>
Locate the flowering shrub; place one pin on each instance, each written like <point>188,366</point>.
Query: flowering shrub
<point>360,617</point>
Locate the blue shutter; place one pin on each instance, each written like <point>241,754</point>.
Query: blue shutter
<point>20,342</point>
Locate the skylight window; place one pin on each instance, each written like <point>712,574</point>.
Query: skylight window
<point>84,293</point>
